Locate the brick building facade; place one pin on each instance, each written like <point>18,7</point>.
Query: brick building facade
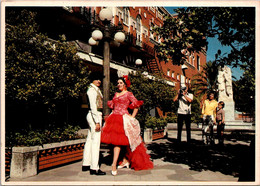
<point>77,24</point>
<point>138,21</point>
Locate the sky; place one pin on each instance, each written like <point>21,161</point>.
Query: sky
<point>213,46</point>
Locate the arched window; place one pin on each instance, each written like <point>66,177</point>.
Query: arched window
<point>138,23</point>
<point>138,31</point>
<point>151,28</point>
<point>126,16</point>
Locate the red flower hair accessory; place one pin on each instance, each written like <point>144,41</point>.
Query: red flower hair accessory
<point>127,81</point>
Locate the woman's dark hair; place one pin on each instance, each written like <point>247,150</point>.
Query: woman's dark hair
<point>211,92</point>
<point>222,103</point>
<point>123,79</point>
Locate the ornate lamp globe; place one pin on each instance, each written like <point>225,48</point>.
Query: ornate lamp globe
<point>106,14</point>
<point>119,37</point>
<point>138,62</point>
<point>92,42</point>
<point>97,35</point>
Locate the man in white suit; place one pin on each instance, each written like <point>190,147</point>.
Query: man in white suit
<point>94,118</point>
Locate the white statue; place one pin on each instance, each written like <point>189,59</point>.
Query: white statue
<point>225,83</point>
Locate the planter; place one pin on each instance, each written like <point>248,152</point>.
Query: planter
<point>157,134</point>
<point>28,161</point>
<point>8,157</point>
<point>150,134</point>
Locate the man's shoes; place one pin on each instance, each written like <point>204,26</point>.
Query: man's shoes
<point>85,168</point>
<point>97,172</point>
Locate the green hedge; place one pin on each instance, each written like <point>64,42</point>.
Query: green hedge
<point>30,137</point>
<point>155,123</point>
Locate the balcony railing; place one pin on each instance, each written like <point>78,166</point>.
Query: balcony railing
<point>132,40</point>
<point>93,21</point>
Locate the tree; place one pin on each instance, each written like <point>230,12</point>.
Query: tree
<point>37,68</point>
<point>206,80</point>
<point>41,76</point>
<point>244,93</point>
<point>233,26</point>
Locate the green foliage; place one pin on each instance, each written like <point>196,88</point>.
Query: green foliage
<point>29,137</point>
<point>244,93</point>
<point>171,119</point>
<point>150,122</point>
<point>155,123</point>
<point>196,110</point>
<point>206,80</point>
<point>154,93</point>
<point>233,26</point>
<point>39,69</point>
<point>40,74</point>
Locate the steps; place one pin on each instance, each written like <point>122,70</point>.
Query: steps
<point>153,66</point>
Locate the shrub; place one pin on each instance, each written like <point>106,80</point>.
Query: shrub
<point>161,123</point>
<point>155,123</point>
<point>171,119</point>
<point>30,137</point>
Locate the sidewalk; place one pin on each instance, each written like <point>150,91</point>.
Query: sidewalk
<point>173,163</point>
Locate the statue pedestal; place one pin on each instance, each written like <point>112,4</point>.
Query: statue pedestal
<point>230,121</point>
<point>239,125</point>
<point>229,110</point>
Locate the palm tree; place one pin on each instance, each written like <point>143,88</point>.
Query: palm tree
<point>206,80</point>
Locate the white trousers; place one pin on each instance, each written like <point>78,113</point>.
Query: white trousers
<point>92,145</point>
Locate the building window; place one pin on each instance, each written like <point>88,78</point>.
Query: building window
<point>145,33</point>
<point>138,31</point>
<point>178,77</point>
<point>168,72</point>
<point>160,15</point>
<point>152,8</point>
<point>151,28</point>
<point>172,74</point>
<point>138,24</point>
<point>126,16</point>
<point>198,63</point>
<point>120,16</point>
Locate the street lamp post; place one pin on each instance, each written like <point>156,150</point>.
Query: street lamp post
<point>106,16</point>
<point>106,71</point>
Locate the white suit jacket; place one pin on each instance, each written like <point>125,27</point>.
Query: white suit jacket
<point>92,93</point>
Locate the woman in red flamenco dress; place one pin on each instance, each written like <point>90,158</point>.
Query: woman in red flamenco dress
<point>122,130</point>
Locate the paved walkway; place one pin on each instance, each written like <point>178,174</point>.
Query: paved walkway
<point>173,164</point>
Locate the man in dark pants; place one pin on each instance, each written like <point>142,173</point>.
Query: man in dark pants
<point>184,111</point>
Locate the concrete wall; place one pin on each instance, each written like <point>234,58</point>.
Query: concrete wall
<point>24,161</point>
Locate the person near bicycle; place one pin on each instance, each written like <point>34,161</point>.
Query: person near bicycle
<point>209,117</point>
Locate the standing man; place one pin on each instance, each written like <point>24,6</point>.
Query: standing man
<point>94,118</point>
<point>184,111</point>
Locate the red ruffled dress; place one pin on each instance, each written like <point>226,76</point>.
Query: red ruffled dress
<point>123,130</point>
